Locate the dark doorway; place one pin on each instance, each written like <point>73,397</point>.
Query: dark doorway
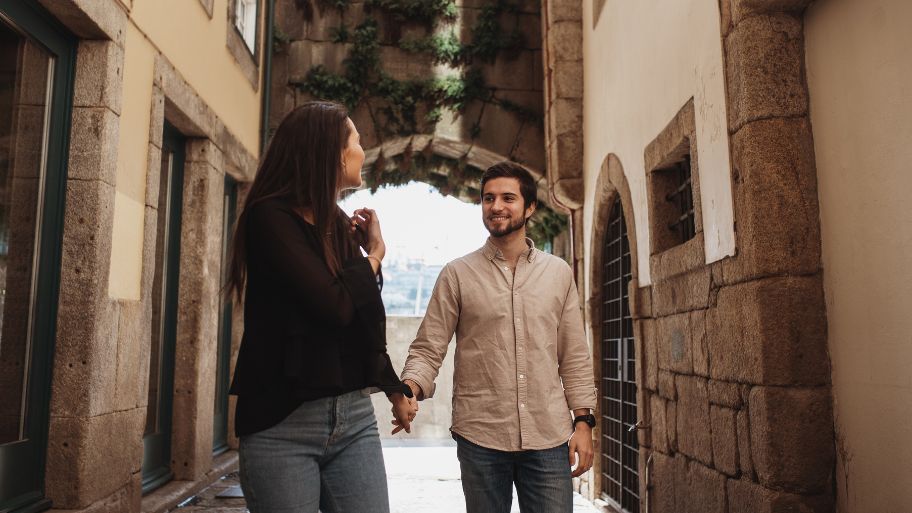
<point>156,467</point>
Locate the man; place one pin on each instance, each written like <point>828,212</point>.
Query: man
<point>522,363</point>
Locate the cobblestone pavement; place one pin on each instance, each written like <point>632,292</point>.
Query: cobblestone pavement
<point>421,479</point>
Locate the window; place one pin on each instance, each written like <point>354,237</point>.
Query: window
<point>673,190</point>
<point>618,391</point>
<point>245,19</point>
<point>680,199</point>
<point>156,465</point>
<point>35,86</point>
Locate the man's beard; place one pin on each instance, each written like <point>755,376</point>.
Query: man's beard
<point>510,228</point>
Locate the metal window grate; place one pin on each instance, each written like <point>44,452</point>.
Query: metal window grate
<point>682,198</point>
<point>620,450</point>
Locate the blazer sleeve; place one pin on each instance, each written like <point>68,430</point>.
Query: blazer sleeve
<point>275,239</point>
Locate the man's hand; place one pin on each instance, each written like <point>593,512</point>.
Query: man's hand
<point>581,449</point>
<point>404,411</point>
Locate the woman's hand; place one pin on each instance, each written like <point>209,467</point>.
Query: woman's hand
<point>404,411</point>
<point>366,227</point>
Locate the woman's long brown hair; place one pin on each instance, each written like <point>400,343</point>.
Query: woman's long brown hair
<point>302,165</point>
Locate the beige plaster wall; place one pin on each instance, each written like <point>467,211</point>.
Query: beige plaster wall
<point>182,31</point>
<point>635,83</point>
<point>859,73</point>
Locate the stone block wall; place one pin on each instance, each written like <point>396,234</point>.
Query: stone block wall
<point>732,365</point>
<point>516,77</point>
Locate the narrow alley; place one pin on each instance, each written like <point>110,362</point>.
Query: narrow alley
<point>421,479</point>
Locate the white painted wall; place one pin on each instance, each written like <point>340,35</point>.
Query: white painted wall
<point>860,81</point>
<point>643,62</point>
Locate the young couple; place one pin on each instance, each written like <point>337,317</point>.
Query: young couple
<point>314,344</point>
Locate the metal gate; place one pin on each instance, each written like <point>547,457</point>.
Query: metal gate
<point>619,451</point>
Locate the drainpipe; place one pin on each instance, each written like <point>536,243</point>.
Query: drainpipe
<point>569,211</point>
<point>267,75</point>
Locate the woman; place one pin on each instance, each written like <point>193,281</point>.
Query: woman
<point>314,341</point>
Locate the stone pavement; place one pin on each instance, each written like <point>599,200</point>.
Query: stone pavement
<point>421,479</point>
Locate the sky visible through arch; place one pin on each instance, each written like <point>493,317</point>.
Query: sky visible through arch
<point>423,231</point>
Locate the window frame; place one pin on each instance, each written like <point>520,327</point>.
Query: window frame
<point>30,454</point>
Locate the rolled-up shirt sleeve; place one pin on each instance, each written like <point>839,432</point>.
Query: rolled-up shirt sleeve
<point>429,348</point>
<point>574,361</point>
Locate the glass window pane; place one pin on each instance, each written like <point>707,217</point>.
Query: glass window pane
<point>25,73</point>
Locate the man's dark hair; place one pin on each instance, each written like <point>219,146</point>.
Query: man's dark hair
<point>509,169</point>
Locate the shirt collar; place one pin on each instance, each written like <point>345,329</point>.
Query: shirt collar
<point>491,251</point>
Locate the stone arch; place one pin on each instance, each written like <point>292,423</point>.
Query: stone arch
<point>475,156</point>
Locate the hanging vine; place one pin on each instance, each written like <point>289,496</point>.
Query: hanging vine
<point>400,108</point>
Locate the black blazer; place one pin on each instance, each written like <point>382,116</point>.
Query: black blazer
<point>307,334</point>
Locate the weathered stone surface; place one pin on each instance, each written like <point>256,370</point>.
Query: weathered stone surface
<point>792,437</point>
<point>197,327</point>
<point>99,75</point>
<point>564,10</point>
<point>698,489</point>
<point>741,9</point>
<point>657,424</point>
<point>644,413</point>
<point>78,472</point>
<point>745,461</point>
<point>157,118</point>
<point>698,343</point>
<point>90,19</point>
<point>725,17</point>
<point>774,179</point>
<point>748,497</point>
<point>153,177</point>
<point>402,65</point>
<point>724,439</point>
<point>529,148</point>
<point>667,385</point>
<point>645,330</point>
<point>304,55</point>
<point>662,495</point>
<point>84,375</point>
<point>693,421</point>
<point>132,355</point>
<point>568,149</point>
<point>673,339</point>
<point>771,332</point>
<point>565,42</point>
<point>682,293</point>
<point>94,139</point>
<point>567,79</point>
<point>678,259</point>
<point>764,66</point>
<point>289,19</point>
<point>671,419</point>
<point>723,393</point>
<point>565,116</point>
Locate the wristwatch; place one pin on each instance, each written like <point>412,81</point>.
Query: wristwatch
<point>588,419</point>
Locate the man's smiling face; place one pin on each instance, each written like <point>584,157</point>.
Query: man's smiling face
<point>502,207</point>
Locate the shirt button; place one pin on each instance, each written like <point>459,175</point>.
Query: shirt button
<point>522,376</point>
<point>522,405</point>
<point>517,319</point>
<point>506,268</point>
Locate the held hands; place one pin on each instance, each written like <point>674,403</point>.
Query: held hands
<point>365,226</point>
<point>581,449</point>
<point>404,411</point>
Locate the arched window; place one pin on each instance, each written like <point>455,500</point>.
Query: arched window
<point>619,447</point>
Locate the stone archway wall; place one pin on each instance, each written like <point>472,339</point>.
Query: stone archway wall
<point>516,78</point>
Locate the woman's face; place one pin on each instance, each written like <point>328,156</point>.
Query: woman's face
<point>352,159</point>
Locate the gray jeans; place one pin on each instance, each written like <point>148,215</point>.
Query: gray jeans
<point>325,456</point>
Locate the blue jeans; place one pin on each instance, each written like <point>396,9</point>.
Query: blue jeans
<point>542,479</point>
<point>326,455</point>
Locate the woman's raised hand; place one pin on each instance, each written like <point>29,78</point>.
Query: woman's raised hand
<point>366,227</point>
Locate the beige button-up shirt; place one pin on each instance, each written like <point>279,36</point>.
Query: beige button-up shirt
<point>522,362</point>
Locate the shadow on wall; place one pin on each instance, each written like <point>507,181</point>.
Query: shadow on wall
<point>434,415</point>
